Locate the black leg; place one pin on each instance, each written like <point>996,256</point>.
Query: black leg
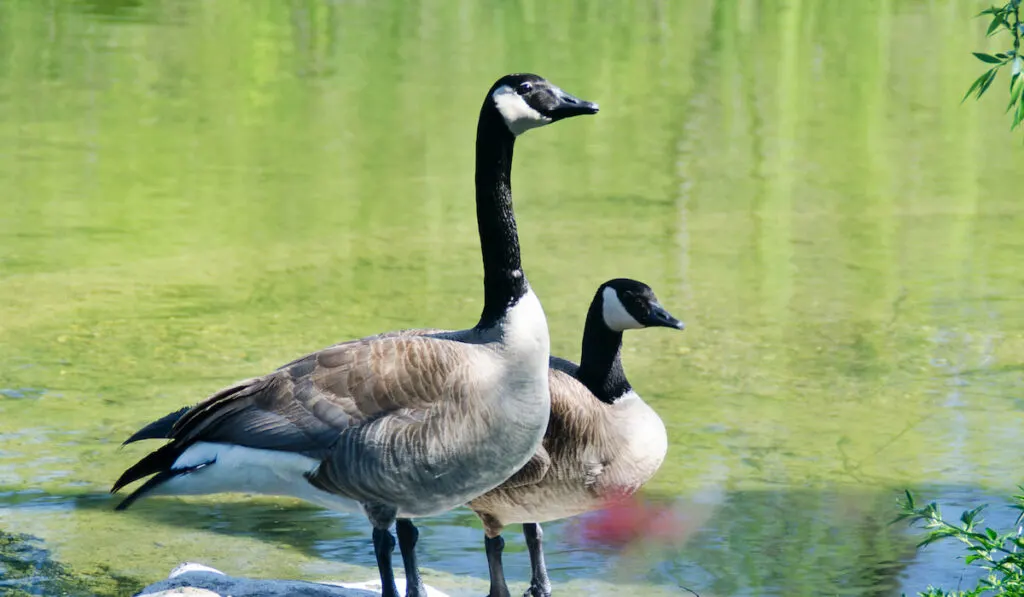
<point>493,546</point>
<point>383,546</point>
<point>407,536</point>
<point>540,584</point>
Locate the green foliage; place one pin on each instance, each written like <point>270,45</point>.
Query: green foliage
<point>998,553</point>
<point>1004,18</point>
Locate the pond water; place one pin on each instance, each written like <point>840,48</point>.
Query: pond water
<point>196,192</point>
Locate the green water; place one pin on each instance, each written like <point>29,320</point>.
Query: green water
<point>194,192</point>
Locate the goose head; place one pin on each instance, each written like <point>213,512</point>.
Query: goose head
<point>527,101</point>
<point>630,305</point>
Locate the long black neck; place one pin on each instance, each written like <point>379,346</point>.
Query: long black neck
<point>504,282</point>
<point>601,361</point>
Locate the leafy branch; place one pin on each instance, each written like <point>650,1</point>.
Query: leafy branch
<point>1004,18</point>
<point>999,553</point>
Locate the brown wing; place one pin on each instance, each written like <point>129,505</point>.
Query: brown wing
<point>533,471</point>
<point>303,406</point>
<point>562,456</point>
<point>574,419</point>
<point>413,332</point>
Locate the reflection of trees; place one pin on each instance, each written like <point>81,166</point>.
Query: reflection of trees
<point>798,542</point>
<point>112,8</point>
<point>257,168</point>
<point>832,252</point>
<point>801,542</point>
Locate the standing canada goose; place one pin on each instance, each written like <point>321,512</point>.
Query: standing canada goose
<point>603,441</point>
<point>397,425</point>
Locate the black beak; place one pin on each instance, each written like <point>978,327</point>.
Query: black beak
<point>659,317</point>
<point>568,106</point>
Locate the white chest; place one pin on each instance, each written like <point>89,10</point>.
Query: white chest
<point>643,435</point>
<point>525,329</point>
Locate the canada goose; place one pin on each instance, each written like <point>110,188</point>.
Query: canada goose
<point>603,441</point>
<point>397,425</point>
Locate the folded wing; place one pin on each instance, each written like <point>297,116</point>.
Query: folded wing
<point>305,406</point>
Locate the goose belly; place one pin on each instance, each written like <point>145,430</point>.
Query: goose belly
<point>225,468</point>
<point>453,456</point>
<point>473,448</point>
<point>450,473</point>
<point>538,503</point>
<point>595,471</point>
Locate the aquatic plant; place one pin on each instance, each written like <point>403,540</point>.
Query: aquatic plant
<point>1004,18</point>
<point>999,553</point>
<point>28,569</point>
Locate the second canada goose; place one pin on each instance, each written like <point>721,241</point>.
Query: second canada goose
<point>396,425</point>
<point>603,441</point>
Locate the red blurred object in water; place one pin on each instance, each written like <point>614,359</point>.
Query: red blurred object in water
<point>629,519</point>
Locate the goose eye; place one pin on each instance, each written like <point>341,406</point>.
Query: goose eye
<point>524,88</point>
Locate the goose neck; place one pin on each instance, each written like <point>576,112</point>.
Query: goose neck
<point>504,282</point>
<point>601,359</point>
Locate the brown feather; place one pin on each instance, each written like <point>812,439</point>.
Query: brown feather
<point>590,459</point>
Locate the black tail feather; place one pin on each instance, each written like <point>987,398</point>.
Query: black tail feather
<point>145,488</point>
<point>159,429</point>
<point>153,482</point>
<point>158,461</point>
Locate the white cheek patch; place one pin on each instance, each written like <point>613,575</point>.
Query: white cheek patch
<point>615,315</point>
<point>519,116</point>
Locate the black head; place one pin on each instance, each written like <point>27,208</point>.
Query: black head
<point>628,305</point>
<point>528,101</point>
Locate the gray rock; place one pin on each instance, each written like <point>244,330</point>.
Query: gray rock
<point>195,580</point>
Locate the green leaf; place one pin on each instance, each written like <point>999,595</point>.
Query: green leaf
<point>968,515</point>
<point>930,539</point>
<point>987,58</point>
<point>974,86</point>
<point>970,559</point>
<point>1019,116</point>
<point>991,533</point>
<point>1019,498</point>
<point>988,81</point>
<point>989,11</point>
<point>994,25</point>
<point>1016,91</point>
